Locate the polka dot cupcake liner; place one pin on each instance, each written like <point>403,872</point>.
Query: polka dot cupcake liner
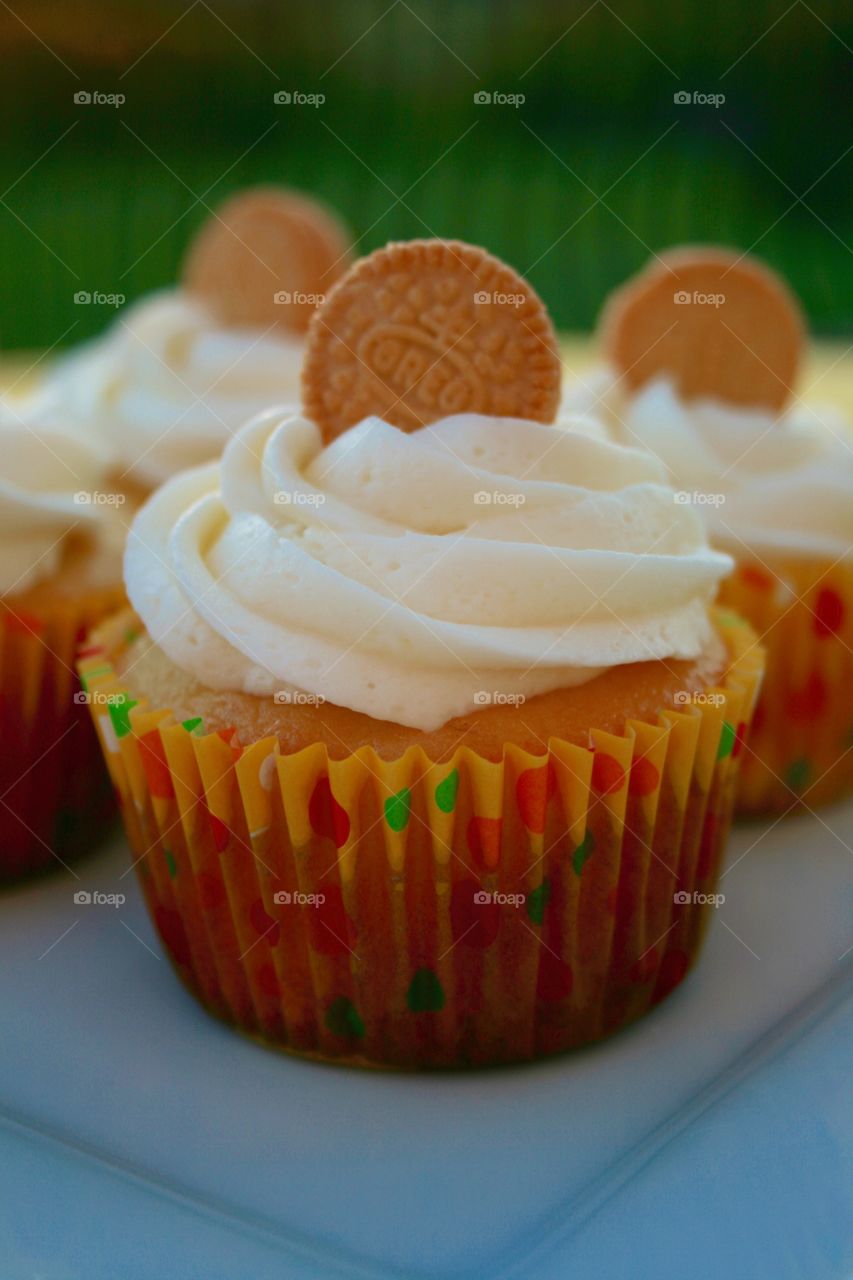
<point>56,798</point>
<point>799,750</point>
<point>414,914</point>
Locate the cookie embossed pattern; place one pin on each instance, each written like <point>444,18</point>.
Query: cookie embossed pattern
<point>419,331</point>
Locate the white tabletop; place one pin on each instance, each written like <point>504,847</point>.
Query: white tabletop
<point>140,1139</point>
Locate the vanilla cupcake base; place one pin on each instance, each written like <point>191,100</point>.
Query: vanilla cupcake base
<point>409,913</point>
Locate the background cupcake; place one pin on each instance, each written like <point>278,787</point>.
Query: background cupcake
<point>179,371</point>
<point>703,352</point>
<point>430,737</point>
<point>60,572</point>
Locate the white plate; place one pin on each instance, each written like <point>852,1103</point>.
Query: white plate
<point>140,1139</point>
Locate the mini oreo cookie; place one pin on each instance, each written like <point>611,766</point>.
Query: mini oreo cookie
<point>424,329</point>
<point>719,324</point>
<point>267,256</point>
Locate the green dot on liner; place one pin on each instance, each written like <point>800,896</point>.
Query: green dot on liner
<point>120,714</point>
<point>195,726</point>
<point>537,901</point>
<point>397,809</point>
<point>798,774</point>
<point>425,994</point>
<point>727,740</point>
<point>583,852</point>
<point>171,865</point>
<point>447,791</point>
<point>343,1019</point>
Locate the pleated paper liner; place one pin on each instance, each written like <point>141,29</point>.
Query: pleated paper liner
<point>56,797</point>
<point>799,751</point>
<point>417,914</point>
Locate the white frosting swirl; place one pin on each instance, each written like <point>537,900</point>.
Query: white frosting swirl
<point>761,483</point>
<point>167,386</point>
<point>399,575</point>
<point>51,482</point>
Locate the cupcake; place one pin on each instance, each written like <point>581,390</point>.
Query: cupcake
<point>60,573</point>
<point>701,357</point>
<point>427,736</point>
<point>179,371</point>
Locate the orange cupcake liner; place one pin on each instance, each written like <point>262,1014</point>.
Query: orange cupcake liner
<point>55,795</point>
<point>799,750</point>
<point>414,914</point>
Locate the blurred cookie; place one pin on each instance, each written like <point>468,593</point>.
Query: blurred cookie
<point>424,329</point>
<point>267,256</point>
<point>718,324</point>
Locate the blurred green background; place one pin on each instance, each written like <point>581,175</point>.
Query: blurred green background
<point>574,186</point>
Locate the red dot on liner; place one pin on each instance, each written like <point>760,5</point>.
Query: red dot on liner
<point>756,577</point>
<point>268,981</point>
<point>829,613</point>
<point>474,924</point>
<point>23,622</point>
<point>645,777</point>
<point>533,790</point>
<point>607,773</point>
<point>170,926</point>
<point>153,757</point>
<point>327,817</point>
<point>554,980</point>
<point>331,931</point>
<point>229,736</point>
<point>484,842</point>
<point>219,831</point>
<point>740,739</point>
<point>264,926</point>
